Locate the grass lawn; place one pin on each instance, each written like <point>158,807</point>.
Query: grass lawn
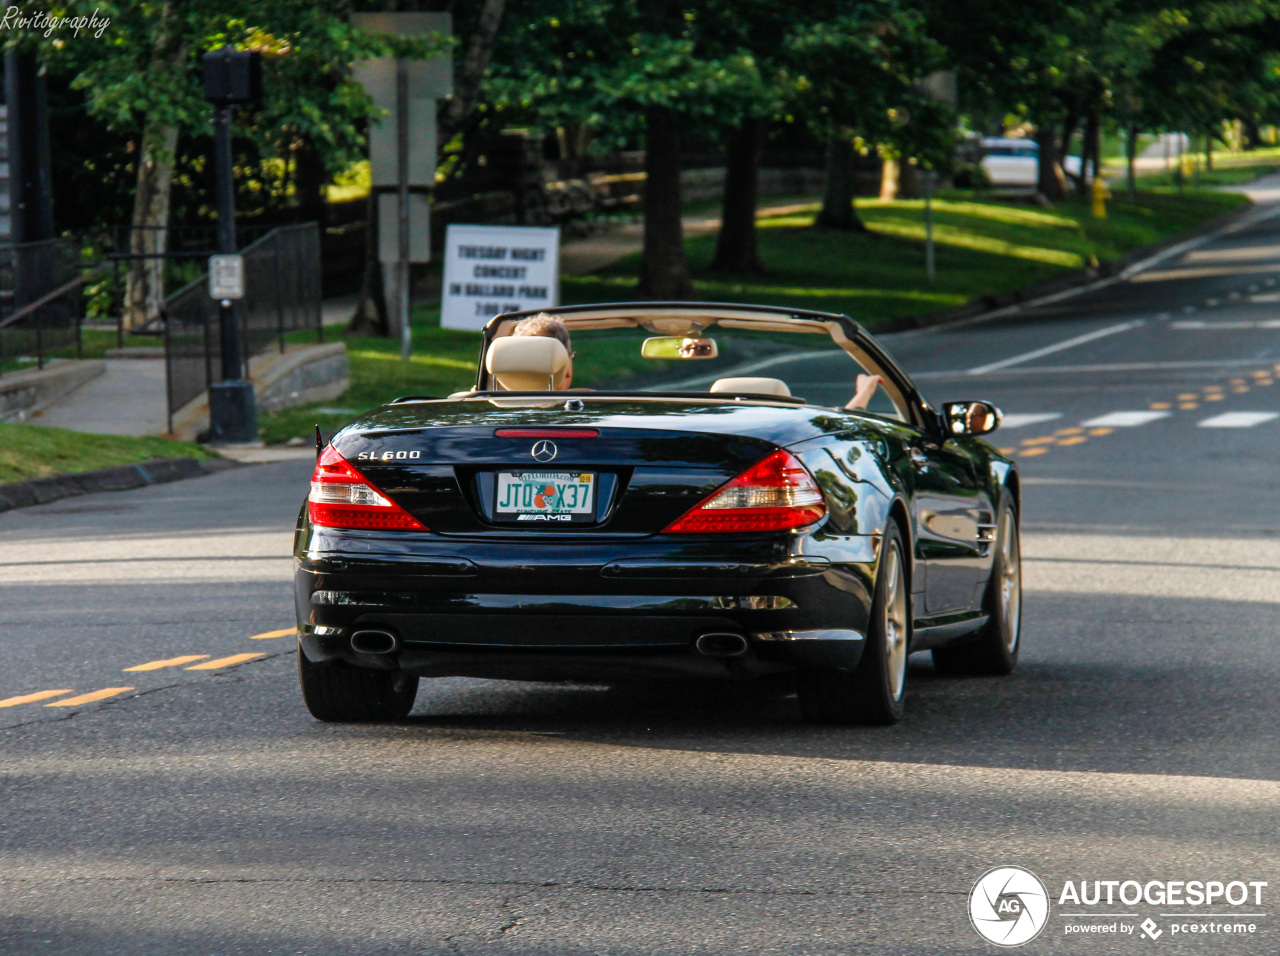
<point>982,247</point>
<point>32,451</point>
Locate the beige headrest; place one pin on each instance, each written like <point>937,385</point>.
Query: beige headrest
<point>752,386</point>
<point>527,363</point>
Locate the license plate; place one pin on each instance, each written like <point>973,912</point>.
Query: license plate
<point>545,496</point>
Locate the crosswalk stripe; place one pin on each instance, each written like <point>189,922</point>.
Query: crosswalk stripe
<point>1125,419</point>
<point>1238,419</point>
<point>1019,419</point>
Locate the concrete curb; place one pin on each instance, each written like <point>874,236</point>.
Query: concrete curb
<point>39,491</point>
<point>990,306</point>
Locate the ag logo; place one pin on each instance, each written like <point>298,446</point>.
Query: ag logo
<point>1008,906</point>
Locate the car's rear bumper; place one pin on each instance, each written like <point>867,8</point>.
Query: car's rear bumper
<point>578,611</point>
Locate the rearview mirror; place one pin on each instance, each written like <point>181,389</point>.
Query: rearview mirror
<point>971,418</point>
<point>679,347</point>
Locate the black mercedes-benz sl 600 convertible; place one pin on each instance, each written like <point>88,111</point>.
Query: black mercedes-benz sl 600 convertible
<point>687,514</point>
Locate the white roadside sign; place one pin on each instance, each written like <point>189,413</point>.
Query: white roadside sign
<point>226,277</point>
<point>494,269</point>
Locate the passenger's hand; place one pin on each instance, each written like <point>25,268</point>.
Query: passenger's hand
<point>867,385</point>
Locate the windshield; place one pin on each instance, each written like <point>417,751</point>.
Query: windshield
<point>809,366</point>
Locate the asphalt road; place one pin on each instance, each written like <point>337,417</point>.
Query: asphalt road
<point>204,812</point>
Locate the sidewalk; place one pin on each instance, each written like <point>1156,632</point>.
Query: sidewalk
<point>128,399</point>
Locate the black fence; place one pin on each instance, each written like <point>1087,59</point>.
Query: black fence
<point>41,299</point>
<point>281,295</point>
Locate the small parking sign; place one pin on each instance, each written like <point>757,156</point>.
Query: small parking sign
<point>226,277</point>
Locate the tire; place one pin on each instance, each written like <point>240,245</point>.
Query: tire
<point>994,651</point>
<point>341,693</point>
<point>875,691</point>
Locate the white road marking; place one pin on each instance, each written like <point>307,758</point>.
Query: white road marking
<point>1078,369</point>
<point>1234,294</point>
<point>1162,317</point>
<point>1058,347</point>
<point>1195,324</point>
<point>1239,419</point>
<point>1267,297</point>
<point>1188,309</point>
<point>1211,302</point>
<point>1020,419</point>
<point>1125,419</point>
<point>1253,288</point>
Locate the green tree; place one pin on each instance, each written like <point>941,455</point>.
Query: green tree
<point>627,69</point>
<point>144,80</point>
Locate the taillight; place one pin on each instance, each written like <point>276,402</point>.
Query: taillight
<point>341,497</point>
<point>775,494</point>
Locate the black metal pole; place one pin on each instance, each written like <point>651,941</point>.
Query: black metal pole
<point>233,413</point>
<point>232,361</point>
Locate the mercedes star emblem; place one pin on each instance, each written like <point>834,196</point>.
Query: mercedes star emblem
<point>544,451</point>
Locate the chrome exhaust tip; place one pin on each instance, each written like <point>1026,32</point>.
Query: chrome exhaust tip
<point>374,642</point>
<point>721,644</point>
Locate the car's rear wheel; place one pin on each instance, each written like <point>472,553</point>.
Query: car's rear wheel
<point>338,692</point>
<point>874,692</point>
<point>996,647</point>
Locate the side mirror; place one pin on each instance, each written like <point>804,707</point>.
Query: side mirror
<point>679,347</point>
<point>971,418</point>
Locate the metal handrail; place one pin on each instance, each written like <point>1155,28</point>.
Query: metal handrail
<point>51,296</point>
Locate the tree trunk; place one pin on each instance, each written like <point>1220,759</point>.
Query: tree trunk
<point>144,290</point>
<point>466,91</point>
<point>1088,154</point>
<point>888,180</point>
<point>838,210</point>
<point>736,245</point>
<point>370,317</point>
<point>309,183</point>
<point>1251,134</point>
<point>1131,145</point>
<point>664,271</point>
<point>910,182</point>
<point>1208,149</point>
<point>1050,183</point>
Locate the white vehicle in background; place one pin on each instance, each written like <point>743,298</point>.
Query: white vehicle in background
<point>1008,161</point>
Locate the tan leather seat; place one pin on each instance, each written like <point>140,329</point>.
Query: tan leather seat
<point>527,363</point>
<point>752,386</point>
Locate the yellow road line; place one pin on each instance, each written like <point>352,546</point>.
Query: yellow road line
<point>169,662</point>
<point>1160,406</point>
<point>1214,397</point>
<point>1187,396</point>
<point>32,698</point>
<point>223,662</point>
<point>1069,431</point>
<point>1188,405</point>
<point>1030,452</point>
<point>1100,431</point>
<point>1073,440</point>
<point>90,697</point>
<point>283,632</point>
<point>1048,439</point>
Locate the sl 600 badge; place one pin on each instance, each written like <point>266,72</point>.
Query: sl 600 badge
<point>387,455</point>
